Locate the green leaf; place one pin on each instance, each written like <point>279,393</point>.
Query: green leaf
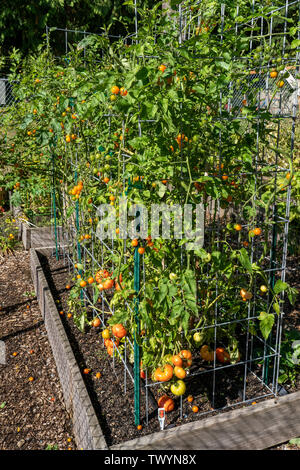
<point>245,260</point>
<point>223,65</point>
<point>2,404</point>
<point>295,43</point>
<point>266,323</point>
<point>280,286</point>
<point>292,294</point>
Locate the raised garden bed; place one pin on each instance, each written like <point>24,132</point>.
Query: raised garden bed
<point>113,409</point>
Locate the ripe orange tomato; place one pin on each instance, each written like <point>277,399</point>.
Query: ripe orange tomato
<point>108,284</point>
<point>195,409</point>
<point>96,322</point>
<point>222,355</point>
<point>134,242</point>
<point>91,280</point>
<point>243,292</point>
<point>257,231</point>
<point>163,375</point>
<point>162,68</point>
<point>179,372</point>
<point>115,90</point>
<point>86,371</point>
<point>273,74</point>
<point>141,250</point>
<point>105,334</point>
<point>119,331</point>
<point>83,283</point>
<point>123,92</point>
<point>190,398</point>
<point>185,354</point>
<point>177,361</point>
<point>167,403</point>
<point>238,227</point>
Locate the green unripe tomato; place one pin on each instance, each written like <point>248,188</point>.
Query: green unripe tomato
<point>178,388</point>
<point>198,338</point>
<point>207,258</point>
<point>173,276</point>
<point>167,359</point>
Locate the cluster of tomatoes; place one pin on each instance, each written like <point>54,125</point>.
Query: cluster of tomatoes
<point>208,354</point>
<point>71,137</point>
<point>115,90</point>
<point>76,190</point>
<point>118,331</point>
<point>252,233</point>
<point>142,249</point>
<point>181,139</point>
<point>103,278</point>
<point>105,281</point>
<point>175,367</point>
<point>246,295</point>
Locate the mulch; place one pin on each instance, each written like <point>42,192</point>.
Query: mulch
<point>32,414</point>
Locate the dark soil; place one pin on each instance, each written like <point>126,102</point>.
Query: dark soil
<point>32,414</point>
<point>114,407</point>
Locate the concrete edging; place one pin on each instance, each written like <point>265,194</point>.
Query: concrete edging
<point>86,427</point>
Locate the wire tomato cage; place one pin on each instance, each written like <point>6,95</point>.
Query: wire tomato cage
<point>224,138</point>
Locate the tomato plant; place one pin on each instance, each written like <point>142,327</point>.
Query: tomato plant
<point>154,121</point>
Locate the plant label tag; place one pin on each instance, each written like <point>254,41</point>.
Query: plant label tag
<point>161,418</point>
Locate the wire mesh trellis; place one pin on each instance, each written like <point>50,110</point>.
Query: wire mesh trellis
<point>254,374</point>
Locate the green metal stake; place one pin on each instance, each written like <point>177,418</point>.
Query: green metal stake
<point>136,335</point>
<point>272,283</point>
<point>54,206</point>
